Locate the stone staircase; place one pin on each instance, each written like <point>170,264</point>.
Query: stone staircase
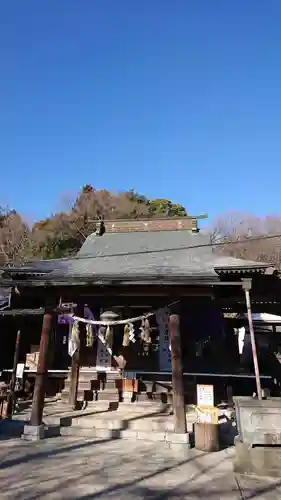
<point>95,386</point>
<point>151,422</point>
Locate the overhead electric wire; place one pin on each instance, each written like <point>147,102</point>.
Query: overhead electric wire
<point>158,250</point>
<point>173,249</point>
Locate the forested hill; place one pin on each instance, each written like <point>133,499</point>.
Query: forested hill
<point>63,233</point>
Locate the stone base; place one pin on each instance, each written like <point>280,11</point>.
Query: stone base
<point>33,432</point>
<point>258,461</point>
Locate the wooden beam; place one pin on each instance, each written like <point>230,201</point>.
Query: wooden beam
<point>41,375</point>
<point>177,375</point>
<point>23,312</point>
<point>120,282</point>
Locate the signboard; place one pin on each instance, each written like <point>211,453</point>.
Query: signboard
<point>206,412</point>
<point>20,370</point>
<point>205,396</point>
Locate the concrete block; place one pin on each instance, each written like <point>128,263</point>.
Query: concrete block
<point>151,436</point>
<point>172,437</point>
<point>259,421</point>
<point>258,461</point>
<point>33,432</point>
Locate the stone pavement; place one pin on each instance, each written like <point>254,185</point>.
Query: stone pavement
<point>83,469</point>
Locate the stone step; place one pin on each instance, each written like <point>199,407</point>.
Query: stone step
<point>108,385</point>
<point>107,395</point>
<point>63,414</point>
<point>108,375</point>
<point>82,386</point>
<point>169,439</point>
<point>94,385</point>
<point>85,387</point>
<point>95,380</point>
<point>146,406</point>
<point>91,397</point>
<point>81,395</point>
<point>150,397</point>
<point>115,420</point>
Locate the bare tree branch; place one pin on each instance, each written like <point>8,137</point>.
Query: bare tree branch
<point>235,226</point>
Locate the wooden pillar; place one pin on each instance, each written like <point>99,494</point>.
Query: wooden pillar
<point>75,365</point>
<point>247,284</point>
<point>11,395</point>
<point>177,375</point>
<point>74,379</point>
<point>42,368</point>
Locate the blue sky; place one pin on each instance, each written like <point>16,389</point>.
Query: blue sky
<point>175,98</point>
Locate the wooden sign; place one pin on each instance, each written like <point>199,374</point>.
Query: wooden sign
<point>20,370</point>
<point>205,396</point>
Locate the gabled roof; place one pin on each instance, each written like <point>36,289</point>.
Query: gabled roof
<point>154,254</point>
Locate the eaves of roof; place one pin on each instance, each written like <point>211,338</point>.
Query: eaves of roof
<point>247,269</point>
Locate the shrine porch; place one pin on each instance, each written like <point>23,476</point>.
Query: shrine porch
<point>157,386</point>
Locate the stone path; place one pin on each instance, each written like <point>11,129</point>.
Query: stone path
<point>80,469</point>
